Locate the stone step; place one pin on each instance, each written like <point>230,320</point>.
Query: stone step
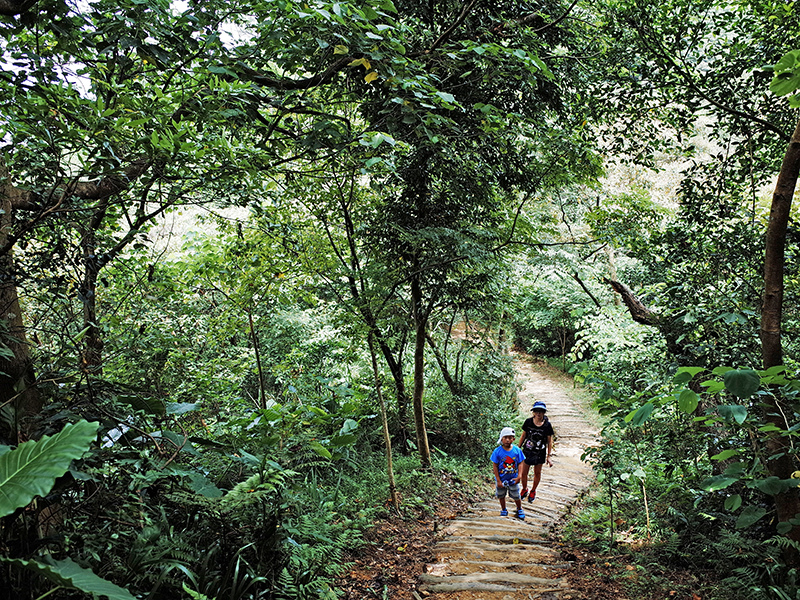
<point>495,582</point>
<point>463,567</point>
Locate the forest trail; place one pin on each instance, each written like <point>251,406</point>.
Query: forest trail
<point>483,556</point>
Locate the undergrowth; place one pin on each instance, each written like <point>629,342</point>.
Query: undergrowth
<point>678,547</point>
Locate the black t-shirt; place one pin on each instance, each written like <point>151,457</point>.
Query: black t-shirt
<point>536,437</point>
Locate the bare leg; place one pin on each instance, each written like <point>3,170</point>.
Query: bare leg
<point>537,476</point>
<point>523,471</point>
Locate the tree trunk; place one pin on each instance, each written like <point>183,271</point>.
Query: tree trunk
<point>642,314</point>
<point>262,392</point>
<point>441,360</point>
<point>771,310</point>
<point>92,351</point>
<point>781,465</point>
<point>387,439</point>
<point>398,377</point>
<point>612,268</point>
<point>356,286</point>
<point>639,312</point>
<point>19,400</point>
<point>420,326</point>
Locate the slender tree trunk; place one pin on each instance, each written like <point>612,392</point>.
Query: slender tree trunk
<point>420,325</point>
<point>19,400</point>
<point>612,269</point>
<point>92,352</point>
<point>262,393</point>
<point>781,464</point>
<point>387,439</point>
<point>441,360</point>
<point>398,377</point>
<point>774,258</point>
<point>357,286</point>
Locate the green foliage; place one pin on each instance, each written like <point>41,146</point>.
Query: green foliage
<point>680,476</point>
<point>254,490</point>
<point>623,354</point>
<point>393,159</point>
<point>31,469</point>
<point>466,423</point>
<point>316,554</point>
<point>787,77</point>
<point>65,573</point>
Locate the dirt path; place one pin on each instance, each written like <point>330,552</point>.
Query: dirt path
<point>484,556</point>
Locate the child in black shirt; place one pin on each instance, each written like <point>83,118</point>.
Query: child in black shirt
<point>536,442</point>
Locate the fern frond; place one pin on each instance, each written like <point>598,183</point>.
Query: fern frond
<point>287,590</point>
<point>253,490</point>
<point>783,543</point>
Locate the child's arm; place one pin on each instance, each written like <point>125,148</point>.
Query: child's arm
<point>497,481</point>
<point>521,438</point>
<point>549,450</point>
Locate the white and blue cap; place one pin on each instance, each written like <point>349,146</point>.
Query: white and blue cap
<point>539,405</point>
<point>506,431</point>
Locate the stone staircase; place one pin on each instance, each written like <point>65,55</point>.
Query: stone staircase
<point>483,556</point>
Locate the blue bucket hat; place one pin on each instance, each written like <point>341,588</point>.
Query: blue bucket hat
<point>539,405</point>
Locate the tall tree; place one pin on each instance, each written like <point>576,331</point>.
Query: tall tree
<point>113,115</point>
<point>687,63</point>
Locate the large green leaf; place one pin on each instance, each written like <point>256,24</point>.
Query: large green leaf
<point>204,486</point>
<point>31,469</point>
<point>774,485</point>
<point>685,374</point>
<point>717,482</point>
<point>642,414</point>
<point>750,515</point>
<point>733,502</point>
<point>68,574</point>
<point>150,406</point>
<point>320,449</point>
<point>688,401</point>
<point>787,78</point>
<point>733,412</point>
<point>726,454</point>
<point>742,383</point>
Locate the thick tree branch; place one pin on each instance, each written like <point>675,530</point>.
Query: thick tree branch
<point>577,278</point>
<point>109,186</point>
<point>11,8</point>
<point>447,32</point>
<point>286,83</point>
<point>639,312</point>
<point>528,18</point>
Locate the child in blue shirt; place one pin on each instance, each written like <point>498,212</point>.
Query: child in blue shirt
<point>506,459</point>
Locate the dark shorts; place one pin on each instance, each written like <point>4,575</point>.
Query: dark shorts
<point>535,457</point>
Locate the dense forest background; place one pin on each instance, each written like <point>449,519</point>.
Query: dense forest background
<point>240,244</point>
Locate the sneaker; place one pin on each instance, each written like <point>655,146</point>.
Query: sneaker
<point>521,514</point>
<point>504,513</point>
<point>523,493</point>
<point>532,496</point>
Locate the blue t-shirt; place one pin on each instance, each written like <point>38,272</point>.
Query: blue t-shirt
<point>507,461</point>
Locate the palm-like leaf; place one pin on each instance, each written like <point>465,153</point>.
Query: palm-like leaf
<point>68,574</point>
<point>31,469</point>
